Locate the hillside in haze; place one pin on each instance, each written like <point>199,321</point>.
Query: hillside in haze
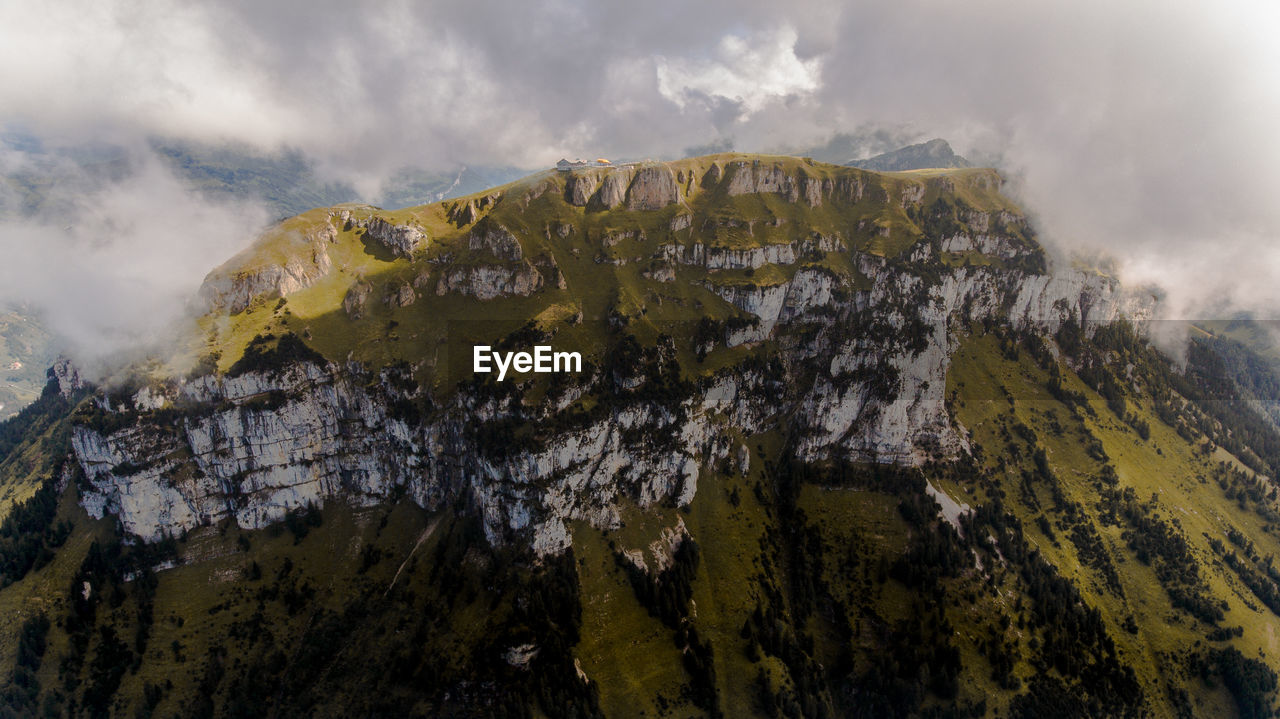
<point>842,444</point>
<point>935,153</point>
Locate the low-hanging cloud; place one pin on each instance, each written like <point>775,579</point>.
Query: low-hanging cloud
<point>1143,129</point>
<point>115,273</point>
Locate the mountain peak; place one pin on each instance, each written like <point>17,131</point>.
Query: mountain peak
<point>935,153</point>
<point>659,239</point>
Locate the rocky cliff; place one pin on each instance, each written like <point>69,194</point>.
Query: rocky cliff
<point>858,366</point>
<point>841,445</point>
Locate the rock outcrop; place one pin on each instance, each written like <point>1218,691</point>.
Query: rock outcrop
<point>399,294</point>
<point>653,188</point>
<point>307,260</point>
<point>579,188</point>
<point>486,282</point>
<point>255,446</point>
<point>733,258</point>
<point>357,297</point>
<point>466,212</point>
<point>401,240</point>
<point>613,191</point>
<point>492,237</point>
<point>862,346</point>
<point>797,186</point>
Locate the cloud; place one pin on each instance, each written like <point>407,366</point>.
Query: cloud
<point>116,272</point>
<point>749,73</point>
<point>1145,129</point>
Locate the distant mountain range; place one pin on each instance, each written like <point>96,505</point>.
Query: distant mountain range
<point>936,153</point>
<point>286,181</point>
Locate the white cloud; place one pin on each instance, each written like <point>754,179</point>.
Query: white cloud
<point>1144,128</point>
<point>749,71</point>
<point>119,271</point>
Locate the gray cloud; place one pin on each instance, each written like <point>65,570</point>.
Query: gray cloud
<point>113,272</point>
<point>1146,129</point>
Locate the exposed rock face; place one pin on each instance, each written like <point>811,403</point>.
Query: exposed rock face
<point>1048,300</point>
<point>464,213</point>
<point>912,194</point>
<point>278,443</point>
<point>579,188</point>
<point>653,188</point>
<point>661,272</point>
<point>402,240</point>
<point>521,655</point>
<point>727,258</point>
<point>613,191</point>
<point>400,294</point>
<point>993,245</point>
<point>355,300</point>
<point>496,239</point>
<point>67,377</point>
<point>486,282</point>
<point>253,447</point>
<point>270,443</point>
<point>233,292</point>
<point>759,177</point>
<point>662,551</point>
<point>610,239</point>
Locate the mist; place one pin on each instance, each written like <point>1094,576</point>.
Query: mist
<point>1145,130</point>
<point>112,274</point>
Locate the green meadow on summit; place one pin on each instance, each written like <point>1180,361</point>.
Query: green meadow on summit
<point>841,444</point>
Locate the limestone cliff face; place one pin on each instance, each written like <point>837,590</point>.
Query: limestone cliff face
<point>497,240</point>
<point>861,345</point>
<point>727,258</point>
<point>233,291</point>
<point>401,240</point>
<point>653,188</point>
<point>304,259</point>
<point>580,187</point>
<point>255,446</point>
<point>486,282</point>
<point>650,187</point>
<point>613,190</point>
<point>761,177</point>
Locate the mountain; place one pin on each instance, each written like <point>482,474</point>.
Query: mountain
<point>844,147</point>
<point>840,444</point>
<point>47,183</point>
<point>412,186</point>
<point>287,181</point>
<point>24,357</point>
<point>935,153</point>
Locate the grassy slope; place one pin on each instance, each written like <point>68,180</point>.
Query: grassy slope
<point>1173,474</point>
<point>533,208</point>
<point>629,654</point>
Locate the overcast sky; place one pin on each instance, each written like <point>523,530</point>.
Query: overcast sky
<point>1145,128</point>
